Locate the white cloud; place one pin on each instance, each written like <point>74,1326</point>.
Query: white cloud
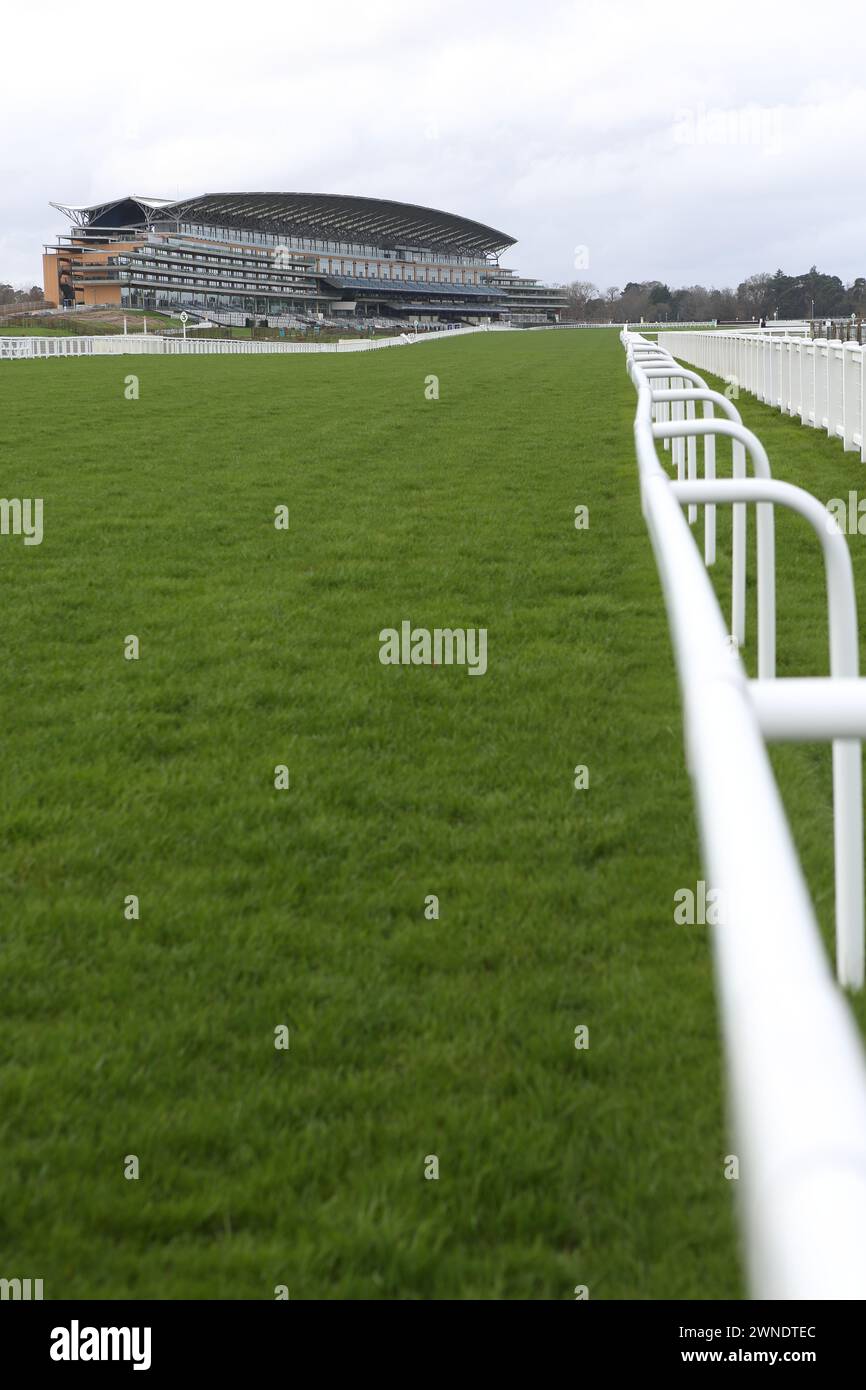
<point>702,146</point>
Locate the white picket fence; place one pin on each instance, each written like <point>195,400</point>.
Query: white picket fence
<point>20,349</point>
<point>820,380</point>
<point>795,1061</point>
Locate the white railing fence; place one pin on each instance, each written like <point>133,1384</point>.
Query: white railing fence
<point>796,328</point>
<point>822,381</point>
<point>795,1062</point>
<point>20,349</point>
<point>621,323</point>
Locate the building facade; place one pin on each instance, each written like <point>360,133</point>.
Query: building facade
<point>307,256</point>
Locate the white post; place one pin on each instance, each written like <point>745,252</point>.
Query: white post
<point>738,564</point>
<point>848,853</point>
<point>692,446</point>
<point>710,475</point>
<point>766,592</point>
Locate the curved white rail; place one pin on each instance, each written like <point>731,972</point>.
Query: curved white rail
<point>797,1079</point>
<point>658,367</point>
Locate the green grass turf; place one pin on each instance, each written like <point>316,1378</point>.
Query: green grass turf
<point>155,1038</point>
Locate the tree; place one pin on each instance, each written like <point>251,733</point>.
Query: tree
<point>660,294</point>
<point>579,296</point>
<point>722,305</point>
<point>691,304</point>
<point>857,297</point>
<point>754,297</point>
<point>635,304</point>
<point>21,295</point>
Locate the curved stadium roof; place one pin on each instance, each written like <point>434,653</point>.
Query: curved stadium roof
<point>335,216</point>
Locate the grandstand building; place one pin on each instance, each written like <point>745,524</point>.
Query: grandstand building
<point>285,257</point>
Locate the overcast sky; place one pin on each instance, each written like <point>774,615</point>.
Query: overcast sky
<point>613,145</point>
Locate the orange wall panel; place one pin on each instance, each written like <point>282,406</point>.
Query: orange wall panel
<point>50,280</point>
<point>100,294</point>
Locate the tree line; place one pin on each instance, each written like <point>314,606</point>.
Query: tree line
<point>10,296</point>
<point>811,295</point>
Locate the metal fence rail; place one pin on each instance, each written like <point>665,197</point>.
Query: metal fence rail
<point>823,381</point>
<point>795,1062</point>
<point>621,323</point>
<point>20,349</point>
